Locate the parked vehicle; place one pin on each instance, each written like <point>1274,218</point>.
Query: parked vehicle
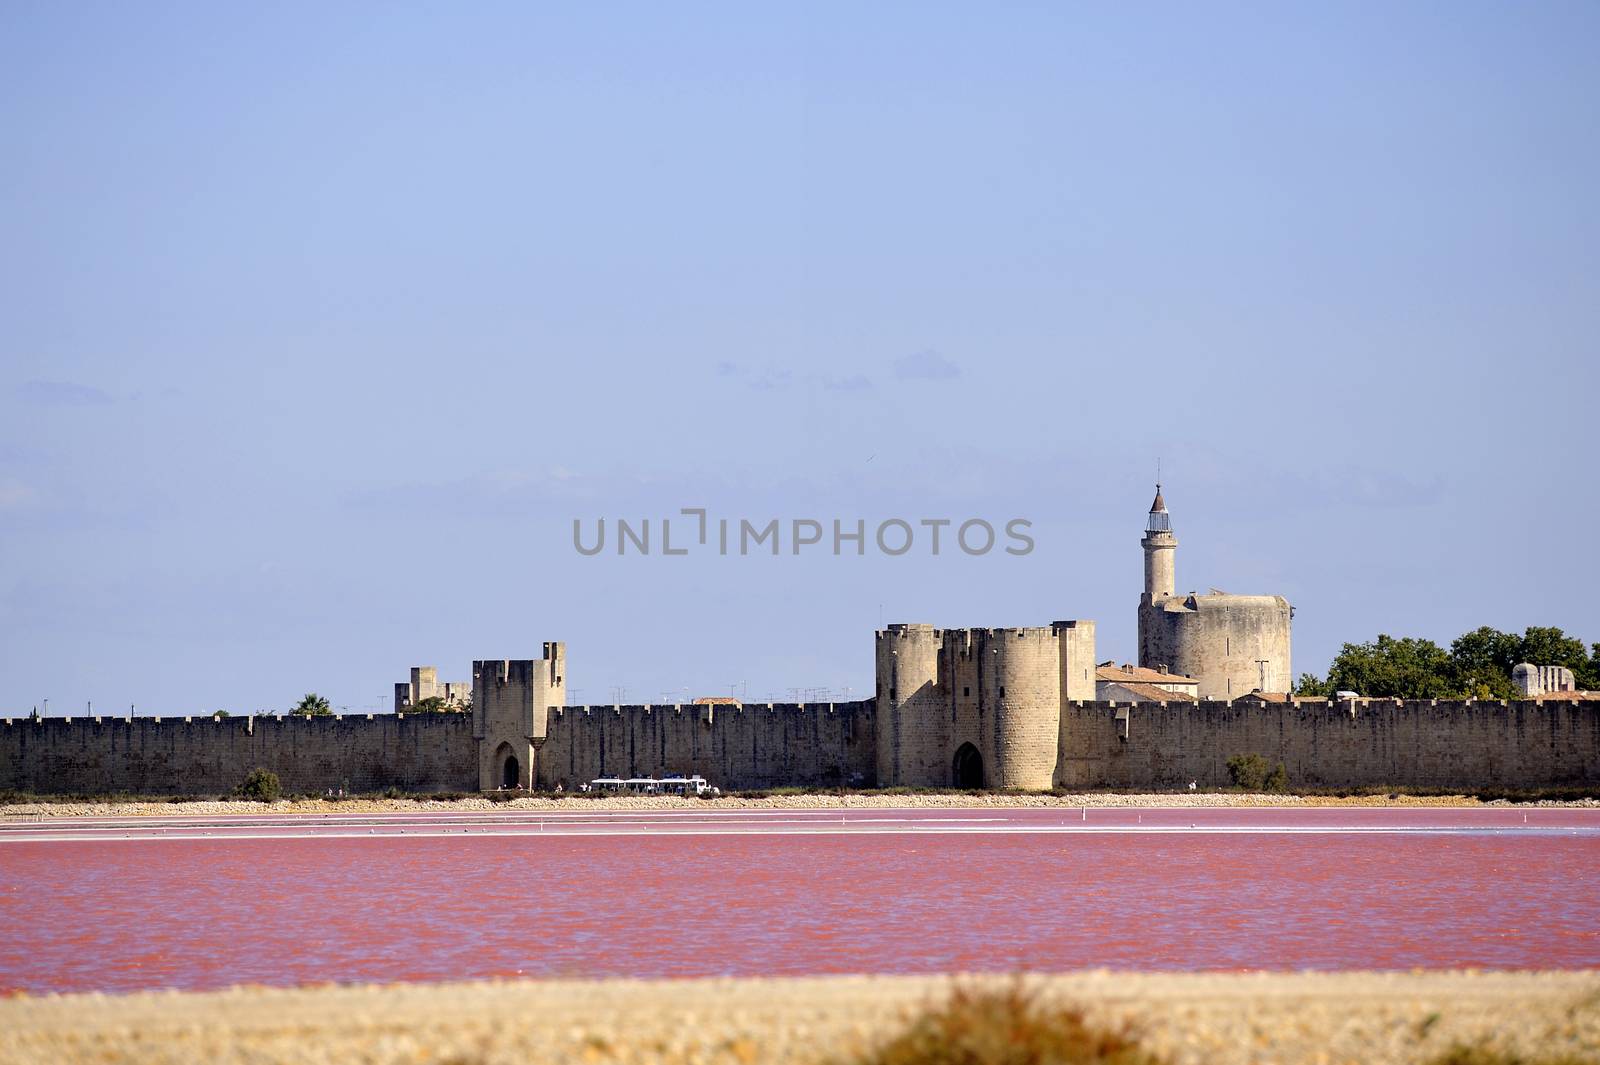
<point>677,784</point>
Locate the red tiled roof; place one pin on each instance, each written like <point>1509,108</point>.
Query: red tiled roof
<point>1150,693</point>
<point>1140,675</point>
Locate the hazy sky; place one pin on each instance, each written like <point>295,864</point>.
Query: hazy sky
<point>319,325</point>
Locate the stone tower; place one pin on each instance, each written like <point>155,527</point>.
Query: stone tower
<point>974,708</point>
<point>1231,644</point>
<point>912,724</point>
<point>1160,552</point>
<point>511,701</point>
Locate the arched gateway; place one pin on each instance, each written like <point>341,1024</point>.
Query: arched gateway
<point>967,769</point>
<point>510,768</point>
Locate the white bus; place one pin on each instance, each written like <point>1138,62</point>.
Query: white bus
<point>677,784</point>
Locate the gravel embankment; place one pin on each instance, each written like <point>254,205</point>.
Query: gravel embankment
<point>799,801</point>
<point>1215,1019</point>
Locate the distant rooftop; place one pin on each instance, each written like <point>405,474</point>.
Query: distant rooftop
<point>1267,697</point>
<point>1154,693</point>
<point>1125,674</point>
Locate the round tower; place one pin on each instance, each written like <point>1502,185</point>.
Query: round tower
<point>1022,670</point>
<point>1160,552</point>
<point>910,729</point>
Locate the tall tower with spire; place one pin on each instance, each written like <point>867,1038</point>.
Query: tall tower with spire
<point>1230,644</point>
<point>1160,552</point>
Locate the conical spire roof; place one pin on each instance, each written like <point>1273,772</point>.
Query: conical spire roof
<point>1159,521</point>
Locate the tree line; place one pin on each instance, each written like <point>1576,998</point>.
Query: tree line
<point>314,705</point>
<point>1477,665</point>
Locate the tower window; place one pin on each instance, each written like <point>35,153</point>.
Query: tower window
<point>965,691</point>
<point>1002,691</point>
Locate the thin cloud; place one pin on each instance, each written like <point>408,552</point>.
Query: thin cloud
<point>925,366</point>
<point>768,379</point>
<point>781,379</point>
<point>857,383</point>
<point>62,393</point>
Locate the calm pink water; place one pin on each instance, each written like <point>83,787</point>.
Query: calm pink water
<point>195,913</point>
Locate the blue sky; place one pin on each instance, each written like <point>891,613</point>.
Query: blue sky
<point>319,325</point>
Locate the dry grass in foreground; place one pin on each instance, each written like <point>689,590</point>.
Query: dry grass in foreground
<point>1006,1027</point>
<point>1485,1055</point>
<point>1011,1026</point>
<point>1112,1018</point>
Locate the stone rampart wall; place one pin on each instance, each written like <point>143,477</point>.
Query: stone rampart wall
<point>1517,744</point>
<point>757,745</point>
<point>205,756</point>
<point>1422,743</point>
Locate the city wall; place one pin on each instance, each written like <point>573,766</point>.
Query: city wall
<point>205,756</point>
<point>756,745</point>
<point>1517,744</point>
<point>1422,743</point>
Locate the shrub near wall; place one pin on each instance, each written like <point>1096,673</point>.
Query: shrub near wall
<point>262,785</point>
<point>1254,773</point>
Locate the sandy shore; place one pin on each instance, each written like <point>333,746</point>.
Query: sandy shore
<point>819,801</point>
<point>1327,1019</point>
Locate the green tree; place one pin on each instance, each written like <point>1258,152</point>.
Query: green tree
<point>1405,668</point>
<point>1311,684</point>
<point>1589,679</point>
<point>220,714</point>
<point>433,704</point>
<point>1277,780</point>
<point>313,705</point>
<point>1481,661</point>
<point>1552,647</point>
<point>1477,666</point>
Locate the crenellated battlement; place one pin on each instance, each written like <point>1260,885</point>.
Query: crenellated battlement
<point>749,745</point>
<point>1020,632</point>
<point>853,706</point>
<point>1445,743</point>
<point>906,630</point>
<point>511,701</point>
<point>996,707</point>
<point>205,755</point>
<point>1523,743</point>
<point>242,722</point>
<point>504,671</point>
<point>988,697</point>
